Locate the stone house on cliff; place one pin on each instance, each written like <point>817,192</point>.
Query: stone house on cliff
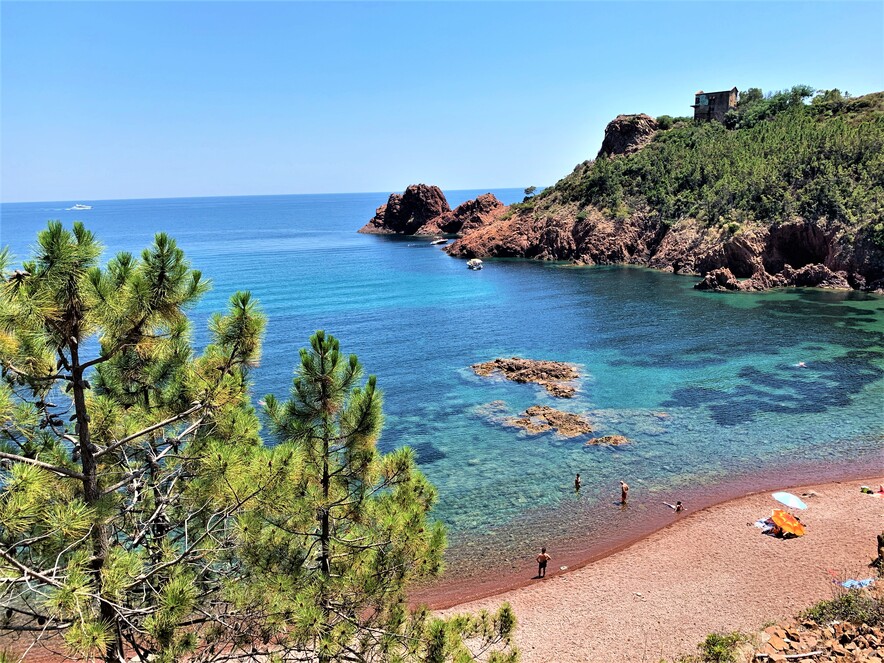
<point>714,105</point>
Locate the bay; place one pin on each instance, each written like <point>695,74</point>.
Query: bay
<point>709,388</point>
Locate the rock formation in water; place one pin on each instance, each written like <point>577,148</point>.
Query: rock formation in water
<point>541,419</point>
<point>611,440</point>
<point>556,377</point>
<point>423,210</point>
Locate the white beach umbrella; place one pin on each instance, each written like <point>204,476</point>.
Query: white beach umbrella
<point>789,500</point>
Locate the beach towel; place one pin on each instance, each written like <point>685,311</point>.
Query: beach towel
<point>858,584</point>
<point>764,524</point>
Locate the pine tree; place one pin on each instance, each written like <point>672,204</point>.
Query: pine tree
<point>142,514</point>
<point>123,455</point>
<point>349,531</point>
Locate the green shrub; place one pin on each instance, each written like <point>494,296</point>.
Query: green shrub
<point>721,647</point>
<point>856,607</point>
<point>665,122</point>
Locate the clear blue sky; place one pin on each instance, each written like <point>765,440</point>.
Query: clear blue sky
<point>130,100</point>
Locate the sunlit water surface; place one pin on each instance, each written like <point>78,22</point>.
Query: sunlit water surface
<point>707,387</point>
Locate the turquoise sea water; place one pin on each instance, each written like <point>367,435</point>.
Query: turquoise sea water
<point>706,386</point>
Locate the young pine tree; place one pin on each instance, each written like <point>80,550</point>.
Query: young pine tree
<point>122,455</point>
<point>337,546</point>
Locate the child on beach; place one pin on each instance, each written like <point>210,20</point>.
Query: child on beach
<point>677,506</point>
<point>624,492</point>
<point>542,559</point>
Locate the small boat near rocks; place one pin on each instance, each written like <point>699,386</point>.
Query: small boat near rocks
<point>439,241</point>
<point>474,263</point>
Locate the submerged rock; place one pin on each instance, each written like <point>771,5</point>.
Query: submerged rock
<point>541,419</point>
<point>555,376</point>
<point>612,440</point>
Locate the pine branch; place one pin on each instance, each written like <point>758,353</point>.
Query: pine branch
<point>150,429</point>
<point>29,572</point>
<point>46,466</point>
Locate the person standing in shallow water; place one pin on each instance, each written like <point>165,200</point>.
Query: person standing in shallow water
<point>577,483</point>
<point>624,492</point>
<point>542,559</point>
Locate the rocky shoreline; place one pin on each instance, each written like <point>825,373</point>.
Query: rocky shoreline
<point>748,256</point>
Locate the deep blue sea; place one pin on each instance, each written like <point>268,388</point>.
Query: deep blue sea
<point>706,386</point>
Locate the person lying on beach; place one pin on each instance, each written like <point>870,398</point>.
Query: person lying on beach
<point>677,506</point>
<point>542,559</point>
<point>624,492</point>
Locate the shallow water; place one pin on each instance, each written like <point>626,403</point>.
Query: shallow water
<point>706,386</point>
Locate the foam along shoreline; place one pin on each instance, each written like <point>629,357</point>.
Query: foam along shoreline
<point>709,570</point>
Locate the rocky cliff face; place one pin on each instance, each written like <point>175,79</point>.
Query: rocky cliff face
<point>562,224</point>
<point>408,212</point>
<point>626,134</point>
<point>423,210</point>
<point>798,254</point>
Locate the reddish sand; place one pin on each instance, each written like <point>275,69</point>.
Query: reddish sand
<point>708,571</point>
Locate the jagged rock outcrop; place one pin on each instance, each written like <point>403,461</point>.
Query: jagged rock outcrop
<point>555,376</point>
<point>408,212</point>
<point>626,134</point>
<point>541,419</point>
<point>809,276</point>
<point>423,210</point>
<point>718,280</point>
<point>815,276</point>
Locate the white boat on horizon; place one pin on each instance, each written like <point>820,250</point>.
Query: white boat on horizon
<point>78,207</point>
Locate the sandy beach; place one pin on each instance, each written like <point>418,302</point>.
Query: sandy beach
<point>710,570</point>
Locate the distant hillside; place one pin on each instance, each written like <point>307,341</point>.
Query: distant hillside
<point>785,192</point>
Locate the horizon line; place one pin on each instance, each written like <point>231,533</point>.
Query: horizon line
<point>247,195</point>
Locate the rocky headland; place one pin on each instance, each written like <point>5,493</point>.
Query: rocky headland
<point>658,196</point>
<point>423,210</point>
<point>555,376</point>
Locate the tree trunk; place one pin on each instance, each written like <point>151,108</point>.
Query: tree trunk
<point>91,495</point>
<point>325,536</point>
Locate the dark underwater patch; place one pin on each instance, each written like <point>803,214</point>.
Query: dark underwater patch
<point>820,386</point>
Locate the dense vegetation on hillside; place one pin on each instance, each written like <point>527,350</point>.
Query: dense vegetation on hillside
<point>776,158</point>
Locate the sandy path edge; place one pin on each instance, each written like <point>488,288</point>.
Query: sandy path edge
<point>710,570</point>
